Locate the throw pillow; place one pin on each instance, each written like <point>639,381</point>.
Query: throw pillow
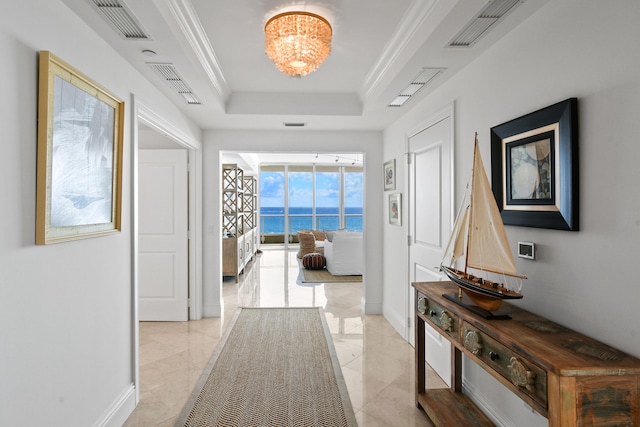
<point>319,235</point>
<point>330,233</point>
<point>307,243</point>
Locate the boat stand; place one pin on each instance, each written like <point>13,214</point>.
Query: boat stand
<point>465,302</point>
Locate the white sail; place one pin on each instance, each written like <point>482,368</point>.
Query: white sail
<point>458,239</point>
<point>460,232</point>
<point>488,247</point>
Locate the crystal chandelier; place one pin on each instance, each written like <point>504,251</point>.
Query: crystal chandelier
<point>297,42</point>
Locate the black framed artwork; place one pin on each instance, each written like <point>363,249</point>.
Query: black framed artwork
<point>534,168</point>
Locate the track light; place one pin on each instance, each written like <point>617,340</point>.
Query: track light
<point>338,158</point>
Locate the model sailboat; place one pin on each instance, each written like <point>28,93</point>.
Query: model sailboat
<point>479,236</point>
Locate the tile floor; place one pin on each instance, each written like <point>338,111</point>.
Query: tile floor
<point>377,363</point>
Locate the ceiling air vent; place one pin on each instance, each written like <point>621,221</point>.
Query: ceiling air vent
<point>425,76</point>
<point>171,76</point>
<point>478,26</point>
<point>294,124</point>
<point>121,18</point>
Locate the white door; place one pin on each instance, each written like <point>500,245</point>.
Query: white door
<point>430,222</point>
<point>162,240</point>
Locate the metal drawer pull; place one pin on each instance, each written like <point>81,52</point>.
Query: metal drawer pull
<point>422,305</point>
<point>446,322</point>
<point>520,376</point>
<point>472,342</point>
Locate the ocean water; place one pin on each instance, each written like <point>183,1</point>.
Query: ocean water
<point>272,219</point>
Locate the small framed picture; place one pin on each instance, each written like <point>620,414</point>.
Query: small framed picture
<point>395,209</point>
<point>390,175</point>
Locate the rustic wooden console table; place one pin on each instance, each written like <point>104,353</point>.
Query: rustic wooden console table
<point>569,378</point>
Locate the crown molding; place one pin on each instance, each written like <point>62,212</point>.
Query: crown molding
<point>407,29</point>
<point>160,124</point>
<point>187,19</point>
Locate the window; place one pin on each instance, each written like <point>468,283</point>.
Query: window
<point>272,200</point>
<point>353,180</point>
<point>300,191</point>
<point>317,197</point>
<point>327,198</point>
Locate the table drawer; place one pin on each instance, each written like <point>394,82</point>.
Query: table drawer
<point>528,377</point>
<point>445,320</point>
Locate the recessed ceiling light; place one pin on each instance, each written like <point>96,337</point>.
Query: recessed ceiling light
<point>148,52</point>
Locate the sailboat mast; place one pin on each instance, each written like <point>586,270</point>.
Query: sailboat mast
<point>469,225</point>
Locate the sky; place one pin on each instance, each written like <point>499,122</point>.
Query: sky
<point>301,189</point>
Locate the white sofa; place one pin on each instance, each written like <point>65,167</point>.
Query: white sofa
<point>344,253</point>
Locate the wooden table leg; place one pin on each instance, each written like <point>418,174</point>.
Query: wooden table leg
<point>456,369</point>
<point>420,357</point>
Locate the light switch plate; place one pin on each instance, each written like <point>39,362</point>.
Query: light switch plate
<point>527,250</point>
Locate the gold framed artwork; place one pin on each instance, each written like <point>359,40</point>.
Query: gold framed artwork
<point>390,175</point>
<point>534,164</point>
<point>395,209</point>
<point>80,136</point>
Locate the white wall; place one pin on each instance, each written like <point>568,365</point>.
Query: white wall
<point>66,310</point>
<point>584,280</point>
<point>369,143</point>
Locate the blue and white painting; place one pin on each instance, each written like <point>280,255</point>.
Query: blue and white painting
<point>82,157</point>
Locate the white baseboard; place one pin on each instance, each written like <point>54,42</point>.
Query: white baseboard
<point>397,321</point>
<point>375,308</point>
<point>120,410</point>
<point>212,310</point>
<point>486,406</point>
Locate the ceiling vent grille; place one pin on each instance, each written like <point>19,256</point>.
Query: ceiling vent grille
<point>121,18</point>
<point>294,124</point>
<point>480,24</point>
<point>426,76</point>
<point>171,76</point>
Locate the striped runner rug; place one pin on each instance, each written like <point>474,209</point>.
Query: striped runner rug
<point>272,367</point>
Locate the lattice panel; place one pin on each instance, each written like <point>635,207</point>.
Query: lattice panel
<point>228,225</point>
<point>229,180</point>
<point>249,184</point>
<point>247,200</point>
<point>229,202</point>
<point>232,178</point>
<point>248,195</point>
<point>248,220</point>
<point>232,225</point>
<point>240,224</point>
<point>232,201</point>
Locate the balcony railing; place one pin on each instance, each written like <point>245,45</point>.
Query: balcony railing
<point>275,232</point>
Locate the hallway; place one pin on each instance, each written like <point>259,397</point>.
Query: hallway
<point>376,362</point>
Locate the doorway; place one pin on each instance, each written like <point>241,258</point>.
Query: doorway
<point>163,255</point>
<point>153,132</point>
<point>304,191</point>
